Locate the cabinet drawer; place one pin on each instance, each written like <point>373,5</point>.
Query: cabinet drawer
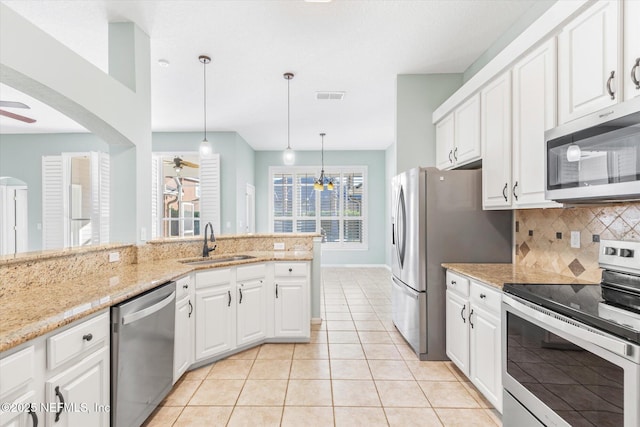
<point>458,284</point>
<point>183,287</point>
<point>64,346</point>
<point>290,269</point>
<point>212,277</point>
<point>17,370</point>
<point>483,296</point>
<point>251,272</point>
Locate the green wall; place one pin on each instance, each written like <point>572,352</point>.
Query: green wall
<point>374,160</point>
<point>21,157</point>
<point>417,97</point>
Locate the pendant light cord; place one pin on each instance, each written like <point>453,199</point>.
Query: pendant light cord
<point>204,73</point>
<point>288,115</point>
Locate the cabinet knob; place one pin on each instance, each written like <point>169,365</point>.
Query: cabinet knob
<point>453,282</point>
<point>87,337</point>
<point>483,296</point>
<point>185,286</point>
<point>290,269</point>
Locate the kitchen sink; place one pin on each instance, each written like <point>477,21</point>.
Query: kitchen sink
<point>219,260</point>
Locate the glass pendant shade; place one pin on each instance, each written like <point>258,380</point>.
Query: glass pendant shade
<point>330,186</point>
<point>289,157</point>
<point>318,185</point>
<point>205,148</point>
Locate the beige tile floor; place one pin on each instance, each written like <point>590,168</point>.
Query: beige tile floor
<point>357,370</point>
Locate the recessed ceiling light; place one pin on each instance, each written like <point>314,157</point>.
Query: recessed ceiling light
<point>163,63</point>
<point>330,95</point>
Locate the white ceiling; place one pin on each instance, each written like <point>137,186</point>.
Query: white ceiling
<point>345,45</point>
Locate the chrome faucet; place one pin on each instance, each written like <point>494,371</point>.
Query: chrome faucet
<point>206,249</point>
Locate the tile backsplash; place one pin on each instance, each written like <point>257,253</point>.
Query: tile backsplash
<point>543,236</point>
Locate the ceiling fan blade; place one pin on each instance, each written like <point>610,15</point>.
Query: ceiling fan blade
<point>17,117</point>
<point>13,104</point>
<point>189,164</point>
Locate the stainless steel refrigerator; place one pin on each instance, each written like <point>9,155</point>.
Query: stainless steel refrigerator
<point>437,217</point>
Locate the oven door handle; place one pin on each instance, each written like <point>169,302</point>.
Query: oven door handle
<point>607,343</point>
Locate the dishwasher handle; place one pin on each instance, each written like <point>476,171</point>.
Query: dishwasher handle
<point>130,318</point>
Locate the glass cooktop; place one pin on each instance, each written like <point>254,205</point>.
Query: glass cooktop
<point>583,303</point>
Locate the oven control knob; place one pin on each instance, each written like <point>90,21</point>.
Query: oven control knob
<point>626,253</point>
<point>610,251</point>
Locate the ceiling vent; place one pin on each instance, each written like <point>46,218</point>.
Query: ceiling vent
<point>332,96</point>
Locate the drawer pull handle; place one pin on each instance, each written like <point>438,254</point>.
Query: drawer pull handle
<point>59,396</point>
<point>450,153</point>
<point>504,192</point>
<point>276,290</point>
<point>455,154</point>
<point>483,296</point>
<point>190,309</point>
<point>453,282</point>
<point>470,322</point>
<point>240,302</point>
<point>514,191</point>
<point>87,337</point>
<point>633,74</point>
<point>229,303</point>
<point>462,313</point>
<point>34,416</point>
<point>185,286</point>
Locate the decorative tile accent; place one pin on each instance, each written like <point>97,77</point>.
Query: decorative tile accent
<point>542,250</point>
<point>576,268</point>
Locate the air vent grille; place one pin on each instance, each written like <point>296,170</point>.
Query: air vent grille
<point>330,95</point>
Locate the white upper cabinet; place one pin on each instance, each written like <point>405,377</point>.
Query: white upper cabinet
<point>445,143</point>
<point>458,135</point>
<point>496,143</point>
<point>588,62</point>
<point>467,131</point>
<point>534,112</point>
<point>631,42</point>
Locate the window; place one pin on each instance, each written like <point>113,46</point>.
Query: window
<point>339,215</point>
<point>184,199</point>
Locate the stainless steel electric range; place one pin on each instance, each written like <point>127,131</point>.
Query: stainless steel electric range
<point>571,353</point>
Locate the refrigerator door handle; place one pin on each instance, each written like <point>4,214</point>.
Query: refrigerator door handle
<point>393,233</point>
<point>401,216</point>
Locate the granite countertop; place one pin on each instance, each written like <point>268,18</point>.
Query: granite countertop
<point>28,312</point>
<point>497,275</point>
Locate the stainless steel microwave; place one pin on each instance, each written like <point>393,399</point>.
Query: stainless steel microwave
<point>595,158</point>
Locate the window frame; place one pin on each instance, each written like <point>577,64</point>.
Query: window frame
<point>314,171</point>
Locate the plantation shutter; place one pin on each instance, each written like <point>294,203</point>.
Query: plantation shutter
<point>54,208</point>
<point>210,192</point>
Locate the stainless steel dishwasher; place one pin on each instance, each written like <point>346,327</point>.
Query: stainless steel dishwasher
<point>142,335</point>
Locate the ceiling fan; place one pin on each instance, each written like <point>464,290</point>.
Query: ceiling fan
<point>178,163</point>
<point>14,104</point>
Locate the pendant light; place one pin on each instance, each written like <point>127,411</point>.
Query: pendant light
<point>289,156</point>
<point>205,146</point>
<point>318,184</point>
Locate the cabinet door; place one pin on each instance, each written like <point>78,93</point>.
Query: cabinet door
<point>445,143</point>
<point>457,331</point>
<point>252,319</point>
<point>291,308</point>
<point>84,389</point>
<point>588,54</point>
<point>534,112</point>
<point>485,355</point>
<point>496,143</point>
<point>25,418</point>
<point>183,344</point>
<point>215,321</point>
<point>467,131</point>
<point>631,42</point>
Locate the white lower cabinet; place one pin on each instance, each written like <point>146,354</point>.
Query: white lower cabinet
<point>80,391</point>
<point>291,300</point>
<point>215,320</point>
<point>251,318</point>
<point>64,375</point>
<point>184,327</point>
<point>474,334</point>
